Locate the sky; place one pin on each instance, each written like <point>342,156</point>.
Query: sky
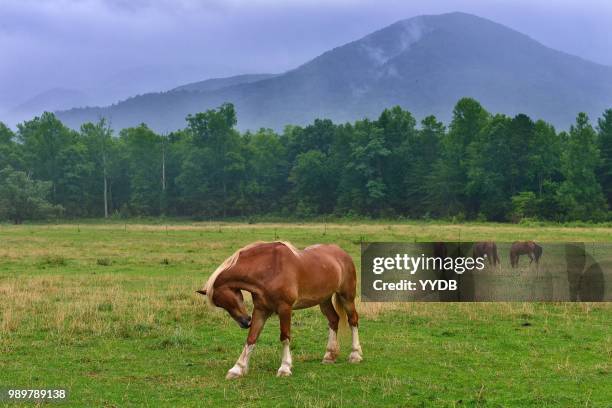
<point>107,50</point>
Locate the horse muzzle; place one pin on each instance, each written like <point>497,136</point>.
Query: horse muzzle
<point>244,322</point>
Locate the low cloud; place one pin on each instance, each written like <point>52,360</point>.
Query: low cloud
<point>122,47</point>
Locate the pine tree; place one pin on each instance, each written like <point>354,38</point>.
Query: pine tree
<point>605,148</point>
<point>580,192</point>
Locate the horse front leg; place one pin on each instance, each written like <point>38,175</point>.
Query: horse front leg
<point>284,315</point>
<point>242,364</point>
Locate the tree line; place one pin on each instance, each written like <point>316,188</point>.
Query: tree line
<point>482,166</point>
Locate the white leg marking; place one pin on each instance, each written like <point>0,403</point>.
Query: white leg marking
<point>286,364</point>
<point>356,353</point>
<point>242,364</point>
<point>331,352</point>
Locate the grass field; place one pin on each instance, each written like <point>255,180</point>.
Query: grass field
<point>109,312</point>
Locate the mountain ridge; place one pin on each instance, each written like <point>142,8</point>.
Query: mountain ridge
<point>213,84</point>
<point>424,64</point>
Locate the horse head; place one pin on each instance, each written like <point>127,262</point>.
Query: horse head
<point>232,301</point>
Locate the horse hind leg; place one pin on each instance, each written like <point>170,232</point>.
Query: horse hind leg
<point>284,315</point>
<point>353,320</point>
<point>332,349</point>
<point>493,259</point>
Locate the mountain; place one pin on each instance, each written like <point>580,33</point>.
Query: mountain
<point>214,84</point>
<point>50,100</point>
<point>424,64</point>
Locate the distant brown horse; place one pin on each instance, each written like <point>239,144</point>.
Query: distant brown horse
<point>280,279</point>
<point>440,249</point>
<point>486,249</point>
<point>529,248</point>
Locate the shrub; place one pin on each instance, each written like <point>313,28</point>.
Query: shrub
<point>104,262</point>
<point>52,260</point>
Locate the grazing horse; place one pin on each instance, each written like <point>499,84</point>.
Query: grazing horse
<point>487,249</point>
<point>440,249</point>
<point>529,248</point>
<point>281,279</point>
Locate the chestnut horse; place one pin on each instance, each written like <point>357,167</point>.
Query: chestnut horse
<point>486,249</point>
<point>281,279</point>
<point>529,248</point>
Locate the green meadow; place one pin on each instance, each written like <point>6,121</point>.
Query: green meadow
<point>109,312</point>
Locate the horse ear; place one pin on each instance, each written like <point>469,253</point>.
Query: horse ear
<point>201,292</point>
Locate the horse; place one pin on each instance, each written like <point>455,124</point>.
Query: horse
<point>440,250</point>
<point>281,279</point>
<point>529,248</point>
<point>486,249</point>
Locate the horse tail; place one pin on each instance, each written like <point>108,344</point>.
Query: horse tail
<point>343,327</point>
<point>495,254</point>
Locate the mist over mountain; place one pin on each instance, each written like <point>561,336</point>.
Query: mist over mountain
<point>214,84</point>
<point>52,99</point>
<point>424,64</point>
<point>101,90</point>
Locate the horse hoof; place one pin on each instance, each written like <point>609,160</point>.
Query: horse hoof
<point>355,357</point>
<point>233,374</point>
<point>327,360</point>
<point>283,372</point>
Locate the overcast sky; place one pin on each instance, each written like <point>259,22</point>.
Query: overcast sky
<point>120,47</point>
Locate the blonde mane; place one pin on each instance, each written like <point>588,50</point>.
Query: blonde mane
<point>233,259</point>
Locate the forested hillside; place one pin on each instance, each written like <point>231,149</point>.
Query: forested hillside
<point>483,166</point>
